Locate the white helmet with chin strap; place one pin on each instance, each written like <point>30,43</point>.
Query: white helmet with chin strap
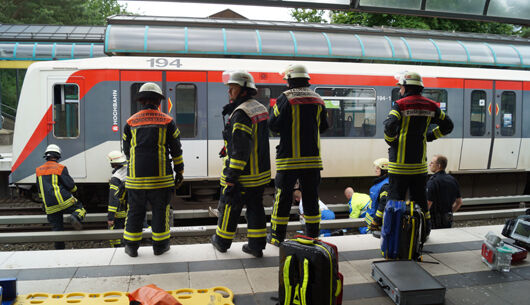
<point>295,71</point>
<point>241,78</point>
<point>409,78</point>
<point>52,151</point>
<point>116,157</point>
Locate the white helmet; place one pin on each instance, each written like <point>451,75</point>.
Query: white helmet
<point>150,89</point>
<point>241,78</point>
<point>52,150</point>
<point>382,163</point>
<point>295,71</point>
<point>116,157</point>
<point>409,78</point>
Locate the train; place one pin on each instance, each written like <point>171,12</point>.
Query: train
<point>81,105</point>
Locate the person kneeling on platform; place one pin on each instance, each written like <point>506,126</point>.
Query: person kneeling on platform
<point>325,212</point>
<point>55,188</point>
<point>117,210</point>
<point>358,204</point>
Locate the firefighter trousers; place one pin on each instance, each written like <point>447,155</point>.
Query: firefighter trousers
<point>119,223</point>
<point>283,198</point>
<point>56,219</point>
<point>138,200</point>
<point>230,207</point>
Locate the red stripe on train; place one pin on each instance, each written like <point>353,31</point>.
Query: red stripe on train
<point>86,79</point>
<point>38,135</point>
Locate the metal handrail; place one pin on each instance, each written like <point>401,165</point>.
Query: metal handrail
<point>203,213</point>
<point>28,237</point>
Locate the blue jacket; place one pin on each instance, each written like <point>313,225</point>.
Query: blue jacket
<point>375,190</point>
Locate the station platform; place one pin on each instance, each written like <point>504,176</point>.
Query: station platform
<point>255,280</point>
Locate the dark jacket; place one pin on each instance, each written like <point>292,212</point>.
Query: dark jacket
<point>442,190</point>
<point>299,115</point>
<point>150,137</point>
<point>117,194</point>
<point>406,131</point>
<point>55,186</point>
<point>246,138</point>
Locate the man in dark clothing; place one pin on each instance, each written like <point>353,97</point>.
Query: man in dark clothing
<point>406,132</point>
<point>443,194</point>
<point>56,188</point>
<point>117,209</point>
<point>149,138</point>
<point>246,165</point>
<point>299,115</point>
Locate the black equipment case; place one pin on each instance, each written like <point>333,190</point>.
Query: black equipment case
<point>406,283</point>
<point>309,272</point>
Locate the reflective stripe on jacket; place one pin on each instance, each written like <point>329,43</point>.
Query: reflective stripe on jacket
<point>299,115</point>
<point>246,137</point>
<point>407,131</point>
<point>55,186</point>
<point>151,141</point>
<point>117,194</point>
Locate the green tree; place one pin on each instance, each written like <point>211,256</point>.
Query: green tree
<point>60,12</point>
<point>405,21</point>
<point>308,15</point>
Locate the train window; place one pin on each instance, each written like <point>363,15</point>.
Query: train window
<point>267,94</point>
<point>66,110</point>
<point>351,111</point>
<point>135,88</point>
<point>508,113</point>
<point>437,95</point>
<point>478,113</point>
<point>185,106</point>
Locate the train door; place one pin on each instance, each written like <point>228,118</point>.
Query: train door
<point>507,125</point>
<point>491,125</point>
<point>183,92</point>
<point>68,124</point>
<point>186,102</point>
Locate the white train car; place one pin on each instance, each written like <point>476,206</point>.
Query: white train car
<point>82,105</point>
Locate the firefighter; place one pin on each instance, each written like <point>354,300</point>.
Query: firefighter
<point>56,188</point>
<point>299,115</point>
<point>150,137</point>
<point>406,132</point>
<point>117,210</point>
<point>246,165</point>
<point>378,194</point>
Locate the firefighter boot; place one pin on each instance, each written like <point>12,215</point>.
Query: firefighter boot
<point>247,249</point>
<point>131,251</point>
<point>75,222</point>
<point>215,242</point>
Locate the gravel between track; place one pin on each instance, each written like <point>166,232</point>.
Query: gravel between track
<point>191,240</point>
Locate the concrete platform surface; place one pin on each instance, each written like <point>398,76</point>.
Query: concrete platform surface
<point>453,257</point>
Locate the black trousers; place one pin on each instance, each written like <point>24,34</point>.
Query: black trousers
<point>119,223</point>
<point>285,181</point>
<point>56,219</point>
<point>230,207</point>
<point>415,184</point>
<point>441,220</point>
<point>138,200</point>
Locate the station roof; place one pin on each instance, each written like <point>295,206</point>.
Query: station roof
<point>144,35</point>
<point>506,11</point>
<point>47,42</point>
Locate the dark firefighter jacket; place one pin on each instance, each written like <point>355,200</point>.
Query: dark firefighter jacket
<point>246,137</point>
<point>406,131</point>
<point>299,115</point>
<point>55,186</point>
<point>149,138</point>
<point>117,194</point>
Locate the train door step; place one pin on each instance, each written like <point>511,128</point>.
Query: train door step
<point>407,283</point>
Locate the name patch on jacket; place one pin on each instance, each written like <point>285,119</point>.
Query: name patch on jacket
<point>149,117</point>
<point>417,105</point>
<point>49,168</point>
<point>303,96</point>
<point>254,109</point>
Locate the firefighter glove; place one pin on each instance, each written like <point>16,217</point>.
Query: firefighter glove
<point>179,178</point>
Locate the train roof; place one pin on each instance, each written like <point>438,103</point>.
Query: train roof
<point>273,66</point>
<point>171,36</point>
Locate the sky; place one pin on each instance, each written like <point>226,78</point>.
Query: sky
<point>181,9</point>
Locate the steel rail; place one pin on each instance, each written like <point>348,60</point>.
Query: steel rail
<point>30,237</point>
<point>203,213</point>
